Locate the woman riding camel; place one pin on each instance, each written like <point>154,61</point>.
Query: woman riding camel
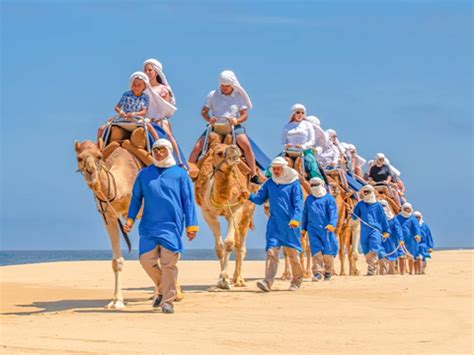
<point>299,134</point>
<point>162,100</point>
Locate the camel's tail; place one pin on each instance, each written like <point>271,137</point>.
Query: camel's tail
<point>125,235</point>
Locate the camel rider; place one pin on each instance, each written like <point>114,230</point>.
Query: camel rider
<point>426,244</point>
<point>354,161</point>
<point>319,221</point>
<point>284,193</point>
<point>374,226</point>
<point>229,104</point>
<point>380,172</point>
<point>320,136</point>
<point>299,134</point>
<point>411,235</point>
<point>330,155</point>
<point>389,256</point>
<point>166,191</point>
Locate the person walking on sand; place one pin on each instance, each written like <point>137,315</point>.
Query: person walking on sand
<point>283,191</point>
<point>166,192</point>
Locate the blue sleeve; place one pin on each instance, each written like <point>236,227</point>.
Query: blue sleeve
<point>297,202</point>
<point>122,99</point>
<point>429,237</point>
<point>383,220</point>
<point>137,197</point>
<point>261,196</point>
<point>356,212</point>
<point>415,227</point>
<point>333,215</point>
<point>187,201</point>
<point>304,220</point>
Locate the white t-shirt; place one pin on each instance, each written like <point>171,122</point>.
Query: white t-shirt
<point>225,106</point>
<point>301,133</point>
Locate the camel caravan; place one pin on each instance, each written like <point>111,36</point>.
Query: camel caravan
<point>318,200</point>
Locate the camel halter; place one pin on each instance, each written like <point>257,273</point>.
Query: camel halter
<point>100,165</point>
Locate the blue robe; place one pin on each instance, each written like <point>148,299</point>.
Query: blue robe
<point>318,212</point>
<point>374,215</point>
<point>286,204</point>
<point>169,205</point>
<point>411,229</point>
<point>391,243</point>
<point>426,242</point>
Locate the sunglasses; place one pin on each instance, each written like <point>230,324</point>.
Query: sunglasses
<point>159,149</point>
<point>366,192</point>
<point>407,210</point>
<point>417,217</point>
<point>298,112</point>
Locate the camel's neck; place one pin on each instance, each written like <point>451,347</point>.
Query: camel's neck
<point>105,187</point>
<point>223,186</point>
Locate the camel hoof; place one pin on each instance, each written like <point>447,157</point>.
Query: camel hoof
<point>115,304</point>
<point>223,285</point>
<point>239,283</point>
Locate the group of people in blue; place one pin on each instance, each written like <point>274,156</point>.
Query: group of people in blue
<point>165,191</point>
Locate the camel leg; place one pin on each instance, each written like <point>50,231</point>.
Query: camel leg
<point>355,234</point>
<point>229,245</point>
<point>411,266</point>
<point>308,261</point>
<point>240,252</point>
<point>341,253</point>
<point>117,262</point>
<point>402,265</point>
<point>215,227</point>
<point>287,272</point>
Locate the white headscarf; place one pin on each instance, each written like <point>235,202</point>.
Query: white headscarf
<point>227,77</point>
<point>165,108</point>
<point>158,68</point>
<point>297,107</point>
<point>379,156</point>
<point>289,175</point>
<point>386,209</point>
<point>418,214</point>
<point>370,198</point>
<point>169,161</point>
<point>406,214</point>
<point>313,119</point>
<point>332,133</point>
<point>348,147</point>
<point>138,75</point>
<point>321,138</point>
<point>319,190</point>
<point>392,168</point>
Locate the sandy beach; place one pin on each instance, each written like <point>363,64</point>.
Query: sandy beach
<point>58,308</point>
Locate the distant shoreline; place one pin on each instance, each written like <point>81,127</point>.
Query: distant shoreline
<point>19,257</point>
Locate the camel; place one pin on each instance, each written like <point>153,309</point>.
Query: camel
<point>347,230</point>
<point>218,188</point>
<point>111,180</point>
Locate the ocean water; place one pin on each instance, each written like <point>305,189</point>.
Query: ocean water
<point>15,257</point>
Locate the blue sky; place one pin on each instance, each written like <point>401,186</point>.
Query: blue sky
<point>389,76</point>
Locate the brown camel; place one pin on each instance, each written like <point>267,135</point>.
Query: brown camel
<point>347,230</point>
<point>111,180</point>
<point>219,187</point>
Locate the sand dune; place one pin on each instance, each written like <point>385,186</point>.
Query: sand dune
<point>58,308</point>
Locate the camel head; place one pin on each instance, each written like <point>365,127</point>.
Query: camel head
<point>89,159</point>
<point>225,157</point>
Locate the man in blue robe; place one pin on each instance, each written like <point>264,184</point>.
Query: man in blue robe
<point>166,191</point>
<point>374,226</point>
<point>426,243</point>
<point>390,244</point>
<point>411,235</point>
<point>283,190</point>
<point>319,221</point>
